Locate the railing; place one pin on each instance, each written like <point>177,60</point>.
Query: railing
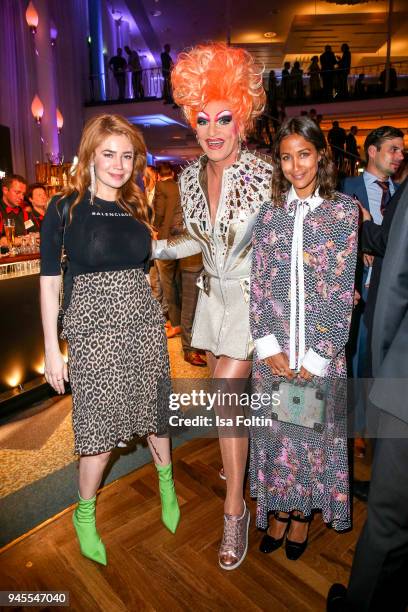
<point>294,92</point>
<point>297,91</point>
<point>151,80</point>
<point>347,163</point>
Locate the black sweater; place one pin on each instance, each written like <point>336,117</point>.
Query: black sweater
<point>100,238</point>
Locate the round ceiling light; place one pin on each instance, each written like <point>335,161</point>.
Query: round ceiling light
<point>270,34</point>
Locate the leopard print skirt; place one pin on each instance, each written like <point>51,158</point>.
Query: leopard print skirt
<point>118,360</point>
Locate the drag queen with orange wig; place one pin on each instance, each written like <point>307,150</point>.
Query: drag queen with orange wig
<point>220,91</point>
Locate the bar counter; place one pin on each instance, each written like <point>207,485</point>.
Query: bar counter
<point>22,347</point>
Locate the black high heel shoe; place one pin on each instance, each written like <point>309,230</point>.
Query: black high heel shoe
<point>294,550</point>
<point>268,543</point>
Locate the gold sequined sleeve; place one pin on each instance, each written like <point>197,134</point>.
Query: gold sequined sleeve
<point>177,247</point>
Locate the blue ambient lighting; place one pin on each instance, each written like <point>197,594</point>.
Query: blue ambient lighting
<point>156,120</point>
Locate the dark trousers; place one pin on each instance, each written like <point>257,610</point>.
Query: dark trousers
<point>188,305</point>
<point>121,81</point>
<point>157,288</point>
<point>167,93</point>
<point>327,79</point>
<point>378,578</point>
<point>138,91</point>
<point>169,273</point>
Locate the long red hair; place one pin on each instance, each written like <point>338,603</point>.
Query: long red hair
<point>131,198</point>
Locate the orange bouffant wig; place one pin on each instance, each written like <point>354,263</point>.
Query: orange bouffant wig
<point>218,72</point>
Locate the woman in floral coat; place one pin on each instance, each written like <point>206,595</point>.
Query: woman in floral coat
<point>302,285</point>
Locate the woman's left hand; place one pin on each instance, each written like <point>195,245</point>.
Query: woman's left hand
<point>305,374</point>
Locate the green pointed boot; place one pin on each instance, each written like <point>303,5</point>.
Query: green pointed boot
<point>89,540</point>
<point>170,507</point>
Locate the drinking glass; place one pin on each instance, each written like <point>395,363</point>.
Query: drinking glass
<point>10,231</point>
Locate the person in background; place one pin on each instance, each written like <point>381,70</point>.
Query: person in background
<point>343,70</point>
<point>378,579</point>
<point>263,129</point>
<point>337,140</point>
<point>328,62</point>
<point>118,363</point>
<point>272,99</point>
<point>190,269</point>
<point>373,188</point>
<point>352,149</point>
<point>149,182</point>
<point>302,281</point>
<point>12,206</point>
<point>285,82</point>
<point>135,67</point>
<point>272,94</point>
<point>402,172</point>
<point>360,88</point>
<point>37,196</point>
<point>165,205</point>
<point>167,66</point>
<point>296,82</point>
<point>314,81</point>
<point>118,65</point>
<point>393,84</point>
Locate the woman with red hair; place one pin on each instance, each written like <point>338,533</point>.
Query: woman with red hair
<point>118,361</point>
<point>220,91</point>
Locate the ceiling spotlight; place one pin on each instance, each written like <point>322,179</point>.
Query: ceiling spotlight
<point>270,34</point>
<point>156,13</point>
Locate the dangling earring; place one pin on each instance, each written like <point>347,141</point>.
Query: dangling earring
<point>197,139</point>
<point>92,186</point>
<point>239,150</point>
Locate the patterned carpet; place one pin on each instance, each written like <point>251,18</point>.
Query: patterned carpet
<point>37,464</point>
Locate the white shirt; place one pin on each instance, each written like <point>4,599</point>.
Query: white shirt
<point>150,195</point>
<point>268,345</point>
<point>374,195</point>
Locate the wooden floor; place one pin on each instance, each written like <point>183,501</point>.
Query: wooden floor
<point>150,569</point>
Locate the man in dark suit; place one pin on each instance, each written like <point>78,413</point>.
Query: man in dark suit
<point>327,62</point>
<point>178,277</point>
<point>166,204</point>
<point>374,190</point>
<point>378,576</point>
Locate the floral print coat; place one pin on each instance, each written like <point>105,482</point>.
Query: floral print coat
<point>294,467</point>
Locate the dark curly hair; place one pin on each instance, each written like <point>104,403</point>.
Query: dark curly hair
<point>326,173</point>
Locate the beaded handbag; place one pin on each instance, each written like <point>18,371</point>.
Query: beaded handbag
<point>300,404</point>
